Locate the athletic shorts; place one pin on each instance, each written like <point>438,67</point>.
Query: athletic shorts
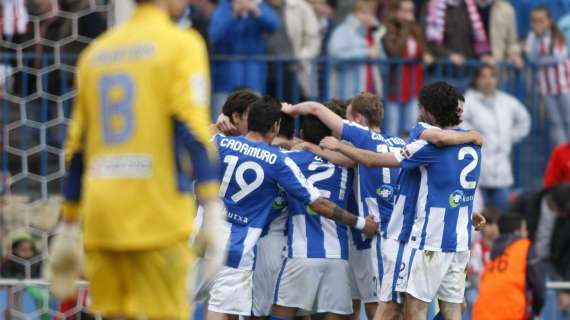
<point>145,283</point>
<point>434,274</point>
<point>395,256</point>
<point>269,258</point>
<point>365,272</point>
<point>230,292</point>
<point>314,285</point>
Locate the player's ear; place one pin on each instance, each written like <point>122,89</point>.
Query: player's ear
<point>276,127</point>
<point>235,118</point>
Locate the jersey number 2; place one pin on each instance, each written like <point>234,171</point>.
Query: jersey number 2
<point>245,187</point>
<point>466,184</point>
<point>116,93</point>
<point>326,174</point>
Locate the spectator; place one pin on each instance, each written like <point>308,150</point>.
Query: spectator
<point>513,274</point>
<point>238,27</point>
<point>539,208</point>
<point>18,266</point>
<point>499,21</point>
<point>357,37</point>
<point>403,40</point>
<point>560,241</point>
<point>523,9</point>
<point>545,46</point>
<point>558,168</point>
<point>481,248</point>
<point>297,37</point>
<point>454,29</point>
<point>89,26</point>
<point>200,14</point>
<point>503,121</point>
<point>324,12</point>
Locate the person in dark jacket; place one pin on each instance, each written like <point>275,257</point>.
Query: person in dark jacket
<point>560,240</point>
<point>513,274</point>
<point>238,27</point>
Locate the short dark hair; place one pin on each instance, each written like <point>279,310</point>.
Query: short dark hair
<point>509,223</point>
<point>441,100</point>
<point>479,71</point>
<point>370,107</point>
<point>287,128</point>
<point>337,106</point>
<point>263,114</point>
<point>492,215</point>
<point>239,101</point>
<point>314,130</point>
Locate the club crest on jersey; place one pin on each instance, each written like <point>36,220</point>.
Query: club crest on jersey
<point>385,192</point>
<point>455,198</point>
<point>278,203</point>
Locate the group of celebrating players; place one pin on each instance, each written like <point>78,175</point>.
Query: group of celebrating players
<point>292,247</point>
<point>296,226</point>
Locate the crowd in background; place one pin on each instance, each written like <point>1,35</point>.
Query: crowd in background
<point>494,32</point>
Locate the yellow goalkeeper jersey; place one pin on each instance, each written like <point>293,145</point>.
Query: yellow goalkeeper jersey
<point>142,103</point>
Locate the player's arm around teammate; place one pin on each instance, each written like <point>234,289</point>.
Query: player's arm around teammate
<point>435,136</point>
<point>375,159</point>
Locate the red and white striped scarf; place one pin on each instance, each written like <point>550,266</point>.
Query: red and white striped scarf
<point>14,17</point>
<point>436,24</point>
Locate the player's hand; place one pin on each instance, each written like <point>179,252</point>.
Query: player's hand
<point>225,126</point>
<point>478,221</point>
<point>330,143</point>
<point>289,109</point>
<point>370,228</point>
<point>66,260</point>
<point>457,59</point>
<point>489,59</point>
<point>253,7</point>
<point>209,243</point>
<point>427,59</point>
<point>302,146</point>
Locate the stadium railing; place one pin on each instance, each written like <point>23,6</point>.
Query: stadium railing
<point>36,102</point>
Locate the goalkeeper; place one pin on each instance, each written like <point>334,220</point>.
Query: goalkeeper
<point>141,105</point>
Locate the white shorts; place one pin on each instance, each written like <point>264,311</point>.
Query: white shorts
<point>395,257</point>
<point>314,285</point>
<point>434,274</point>
<point>269,259</point>
<point>365,272</point>
<point>230,292</point>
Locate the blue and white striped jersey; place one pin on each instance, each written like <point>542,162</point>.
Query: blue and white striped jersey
<point>375,187</point>
<point>449,177</point>
<point>402,219</point>
<point>277,221</point>
<point>251,174</point>
<point>310,235</point>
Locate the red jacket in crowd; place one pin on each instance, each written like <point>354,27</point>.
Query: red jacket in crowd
<point>558,169</point>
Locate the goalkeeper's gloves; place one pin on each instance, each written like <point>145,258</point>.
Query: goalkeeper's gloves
<point>66,260</point>
<point>210,241</point>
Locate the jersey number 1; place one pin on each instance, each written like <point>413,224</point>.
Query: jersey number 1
<point>245,187</point>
